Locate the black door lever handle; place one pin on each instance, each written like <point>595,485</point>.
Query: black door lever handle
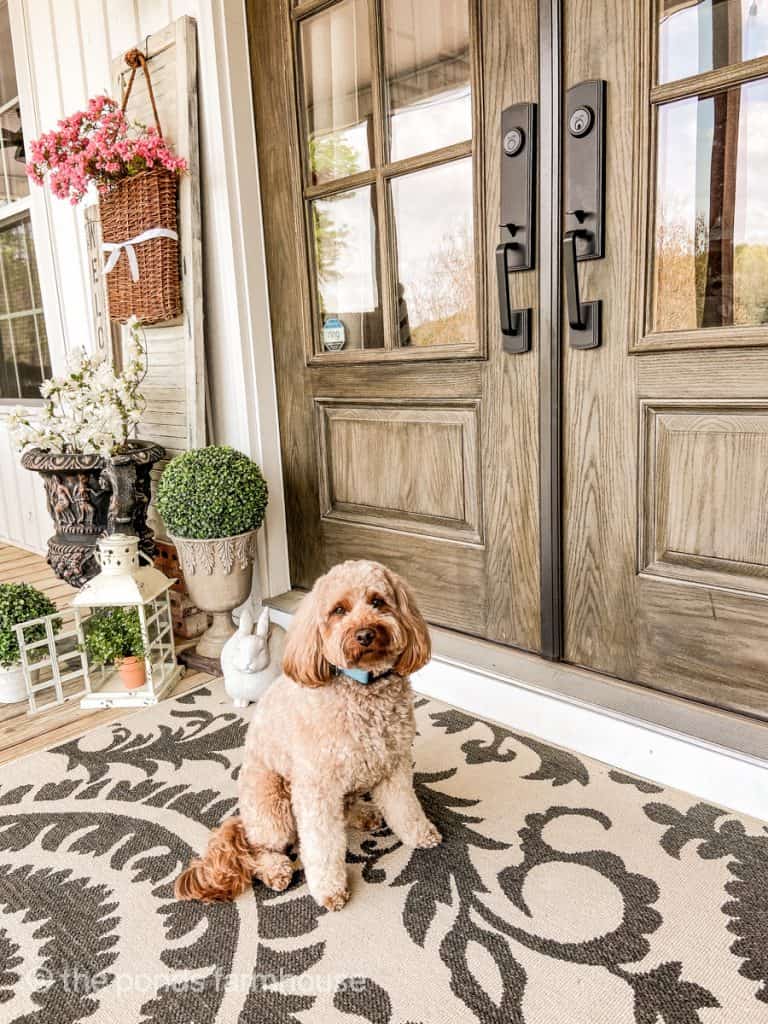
<point>514,323</point>
<point>507,319</point>
<point>575,311</point>
<point>584,318</point>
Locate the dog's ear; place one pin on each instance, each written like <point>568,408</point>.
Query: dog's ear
<point>418,648</point>
<point>303,659</point>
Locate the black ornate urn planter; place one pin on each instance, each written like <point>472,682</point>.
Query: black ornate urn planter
<point>89,496</point>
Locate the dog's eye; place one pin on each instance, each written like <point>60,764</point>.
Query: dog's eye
<point>339,610</point>
<point>377,602</point>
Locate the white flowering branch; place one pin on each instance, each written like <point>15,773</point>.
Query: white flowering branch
<point>90,410</point>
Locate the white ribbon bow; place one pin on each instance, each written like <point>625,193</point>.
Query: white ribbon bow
<point>115,248</point>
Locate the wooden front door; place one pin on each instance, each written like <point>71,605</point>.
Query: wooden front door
<point>408,434</point>
<point>665,425</point>
<point>606,504</point>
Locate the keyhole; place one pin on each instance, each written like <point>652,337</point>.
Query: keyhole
<point>580,122</point>
<point>514,141</point>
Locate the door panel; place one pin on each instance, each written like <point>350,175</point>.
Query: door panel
<point>416,442</point>
<point>665,449</point>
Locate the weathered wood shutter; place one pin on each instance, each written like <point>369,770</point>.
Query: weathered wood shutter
<point>175,383</point>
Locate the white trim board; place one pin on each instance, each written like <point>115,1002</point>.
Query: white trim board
<point>720,776</point>
<point>727,778</point>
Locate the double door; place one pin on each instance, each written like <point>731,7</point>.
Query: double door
<point>518,275</point>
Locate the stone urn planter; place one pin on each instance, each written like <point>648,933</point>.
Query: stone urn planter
<point>218,574</point>
<point>89,496</point>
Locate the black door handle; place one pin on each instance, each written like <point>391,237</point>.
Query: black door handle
<point>584,201</point>
<point>584,318</point>
<point>516,249</point>
<point>515,323</point>
<point>507,319</point>
<point>575,311</point>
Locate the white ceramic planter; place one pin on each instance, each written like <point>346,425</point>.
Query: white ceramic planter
<point>218,575</point>
<point>12,688</point>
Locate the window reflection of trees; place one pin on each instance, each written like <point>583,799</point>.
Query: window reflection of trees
<point>330,157</point>
<point>441,301</point>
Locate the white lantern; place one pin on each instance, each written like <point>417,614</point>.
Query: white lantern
<point>123,582</point>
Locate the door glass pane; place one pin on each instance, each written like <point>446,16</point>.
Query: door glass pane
<point>13,177</point>
<point>711,233</point>
<point>698,37</point>
<point>8,88</point>
<point>346,268</point>
<point>427,67</point>
<point>336,74</point>
<point>435,255</point>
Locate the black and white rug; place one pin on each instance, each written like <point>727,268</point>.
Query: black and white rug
<point>565,892</point>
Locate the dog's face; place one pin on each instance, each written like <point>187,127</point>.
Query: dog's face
<point>359,615</point>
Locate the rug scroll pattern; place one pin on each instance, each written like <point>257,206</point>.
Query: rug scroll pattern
<point>564,890</point>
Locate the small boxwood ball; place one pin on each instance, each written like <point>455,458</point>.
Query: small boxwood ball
<point>112,634</point>
<point>20,602</point>
<point>212,492</point>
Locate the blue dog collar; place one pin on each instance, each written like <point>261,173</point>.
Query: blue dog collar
<point>360,675</point>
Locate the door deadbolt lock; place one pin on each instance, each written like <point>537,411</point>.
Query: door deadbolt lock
<point>581,121</point>
<point>514,140</point>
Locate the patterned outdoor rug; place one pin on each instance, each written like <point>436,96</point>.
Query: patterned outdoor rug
<point>565,892</point>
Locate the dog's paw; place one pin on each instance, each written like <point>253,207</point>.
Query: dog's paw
<point>429,837</point>
<point>336,900</point>
<point>279,877</point>
<point>364,816</point>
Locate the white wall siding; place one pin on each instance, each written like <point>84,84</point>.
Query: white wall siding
<point>69,46</point>
<point>24,518</point>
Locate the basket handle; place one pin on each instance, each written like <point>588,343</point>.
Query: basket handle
<point>135,59</point>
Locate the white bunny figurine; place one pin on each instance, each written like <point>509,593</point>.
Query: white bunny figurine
<point>250,661</point>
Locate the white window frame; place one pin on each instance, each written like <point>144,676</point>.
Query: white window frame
<point>36,203</point>
<point>11,213</point>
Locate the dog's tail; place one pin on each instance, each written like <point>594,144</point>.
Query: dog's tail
<point>224,871</point>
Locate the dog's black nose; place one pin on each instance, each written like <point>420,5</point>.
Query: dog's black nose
<point>365,637</point>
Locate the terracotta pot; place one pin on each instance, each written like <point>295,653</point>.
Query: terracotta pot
<point>133,672</point>
<point>218,576</point>
<point>89,496</point>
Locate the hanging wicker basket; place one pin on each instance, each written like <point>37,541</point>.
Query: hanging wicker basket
<point>146,283</point>
<point>139,225</point>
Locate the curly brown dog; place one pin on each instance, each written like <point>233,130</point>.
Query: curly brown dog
<point>336,725</point>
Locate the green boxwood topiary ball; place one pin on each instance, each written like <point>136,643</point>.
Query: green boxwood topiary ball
<point>18,603</point>
<point>212,492</point>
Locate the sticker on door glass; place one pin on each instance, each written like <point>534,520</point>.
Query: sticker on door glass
<point>334,334</point>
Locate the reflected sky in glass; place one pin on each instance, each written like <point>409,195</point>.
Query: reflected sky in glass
<point>427,71</point>
<point>710,34</point>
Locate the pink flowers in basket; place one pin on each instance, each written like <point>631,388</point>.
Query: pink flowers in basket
<point>98,146</point>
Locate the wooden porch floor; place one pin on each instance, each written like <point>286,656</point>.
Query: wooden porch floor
<point>20,732</point>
